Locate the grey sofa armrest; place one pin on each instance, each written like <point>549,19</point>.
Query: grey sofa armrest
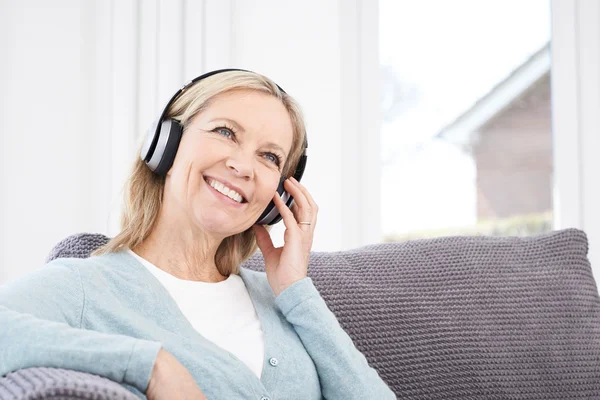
<point>55,383</point>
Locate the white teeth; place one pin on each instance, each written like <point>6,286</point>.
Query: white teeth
<point>235,197</point>
<point>232,194</point>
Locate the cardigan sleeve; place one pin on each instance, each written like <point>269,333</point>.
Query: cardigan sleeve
<point>344,372</point>
<point>41,318</point>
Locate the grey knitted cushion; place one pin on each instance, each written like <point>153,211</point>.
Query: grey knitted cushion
<point>462,317</point>
<point>59,384</point>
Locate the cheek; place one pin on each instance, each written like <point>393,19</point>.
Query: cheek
<point>268,189</point>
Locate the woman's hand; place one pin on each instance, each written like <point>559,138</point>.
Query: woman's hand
<point>170,380</point>
<point>288,264</point>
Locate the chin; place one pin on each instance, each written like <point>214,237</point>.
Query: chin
<point>219,223</point>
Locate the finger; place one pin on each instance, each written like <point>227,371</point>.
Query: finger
<point>312,207</point>
<point>294,207</point>
<point>305,192</point>
<point>263,239</point>
<point>304,212</point>
<point>288,217</point>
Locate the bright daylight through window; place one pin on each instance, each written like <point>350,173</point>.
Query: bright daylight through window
<point>466,130</point>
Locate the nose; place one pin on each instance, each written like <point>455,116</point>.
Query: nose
<point>241,165</point>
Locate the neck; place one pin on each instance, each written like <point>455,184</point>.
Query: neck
<point>183,253</point>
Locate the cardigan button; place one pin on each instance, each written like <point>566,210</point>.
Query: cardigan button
<point>265,398</point>
<point>273,361</point>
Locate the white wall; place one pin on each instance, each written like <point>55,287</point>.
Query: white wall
<point>48,165</point>
<point>576,119</point>
<point>81,81</point>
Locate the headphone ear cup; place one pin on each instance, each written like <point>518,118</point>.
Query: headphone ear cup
<point>271,214</point>
<point>169,136</point>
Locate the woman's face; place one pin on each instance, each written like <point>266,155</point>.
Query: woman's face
<point>240,141</point>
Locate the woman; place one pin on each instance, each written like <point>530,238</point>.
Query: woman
<point>164,308</point>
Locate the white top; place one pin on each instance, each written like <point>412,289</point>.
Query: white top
<point>222,312</point>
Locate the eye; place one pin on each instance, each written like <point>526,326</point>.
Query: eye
<point>224,131</point>
<point>274,158</point>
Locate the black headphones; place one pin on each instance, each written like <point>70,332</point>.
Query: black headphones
<point>162,141</point>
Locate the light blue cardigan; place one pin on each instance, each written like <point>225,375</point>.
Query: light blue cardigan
<point>109,316</point>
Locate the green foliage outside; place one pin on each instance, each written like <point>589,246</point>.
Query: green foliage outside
<point>522,225</point>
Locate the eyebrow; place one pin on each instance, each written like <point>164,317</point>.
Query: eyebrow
<point>241,128</point>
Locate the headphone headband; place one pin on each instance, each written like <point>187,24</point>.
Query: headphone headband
<point>150,145</point>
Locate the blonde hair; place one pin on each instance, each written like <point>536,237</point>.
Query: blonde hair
<point>144,189</point>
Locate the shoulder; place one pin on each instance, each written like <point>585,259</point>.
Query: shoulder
<point>56,272</point>
<point>111,266</point>
<point>58,290</point>
<point>53,292</point>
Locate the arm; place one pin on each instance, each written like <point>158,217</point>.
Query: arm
<point>41,318</point>
<point>343,371</point>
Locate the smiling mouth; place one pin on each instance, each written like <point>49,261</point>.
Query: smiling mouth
<point>225,191</point>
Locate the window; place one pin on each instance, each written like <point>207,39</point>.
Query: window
<point>466,130</point>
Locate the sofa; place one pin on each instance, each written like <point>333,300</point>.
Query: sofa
<point>466,317</point>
